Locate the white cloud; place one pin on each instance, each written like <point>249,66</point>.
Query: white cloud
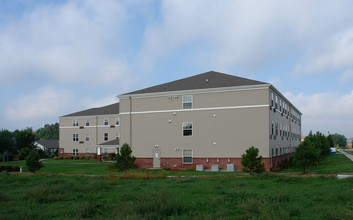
<point>46,102</point>
<point>330,55</point>
<point>325,112</point>
<point>74,41</point>
<point>50,102</point>
<point>245,34</point>
<point>347,76</point>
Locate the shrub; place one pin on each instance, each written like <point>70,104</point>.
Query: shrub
<point>88,158</point>
<point>71,157</point>
<point>56,158</point>
<point>10,168</point>
<point>276,169</point>
<point>112,156</point>
<point>66,158</point>
<point>190,169</point>
<point>60,157</point>
<point>76,157</point>
<point>82,158</point>
<point>33,162</point>
<point>124,160</point>
<point>251,161</point>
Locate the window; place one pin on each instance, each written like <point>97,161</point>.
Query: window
<point>117,135</point>
<point>75,152</point>
<point>276,151</point>
<point>276,103</point>
<point>117,121</point>
<point>187,101</point>
<point>105,136</point>
<point>272,99</point>
<point>187,156</point>
<point>87,152</point>
<point>106,121</point>
<point>75,123</point>
<point>280,105</point>
<point>273,152</point>
<point>87,137</point>
<point>75,137</point>
<point>187,128</point>
<point>87,122</point>
<point>276,128</point>
<point>273,128</point>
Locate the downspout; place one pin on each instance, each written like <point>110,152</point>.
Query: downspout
<point>130,122</point>
<point>97,134</point>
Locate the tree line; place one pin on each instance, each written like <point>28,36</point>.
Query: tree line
<point>316,147</point>
<point>19,143</point>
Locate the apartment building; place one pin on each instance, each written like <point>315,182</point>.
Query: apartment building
<point>90,132</point>
<point>208,119</point>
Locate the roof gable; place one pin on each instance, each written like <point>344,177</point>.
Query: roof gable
<point>105,110</point>
<point>206,80</point>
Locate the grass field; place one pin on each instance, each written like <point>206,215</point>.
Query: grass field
<point>335,163</point>
<point>218,196</point>
<point>260,197</point>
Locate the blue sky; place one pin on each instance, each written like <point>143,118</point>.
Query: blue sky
<point>58,57</point>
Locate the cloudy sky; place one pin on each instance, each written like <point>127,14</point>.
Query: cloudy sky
<point>58,57</point>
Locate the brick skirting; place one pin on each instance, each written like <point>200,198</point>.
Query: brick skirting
<point>177,163</point>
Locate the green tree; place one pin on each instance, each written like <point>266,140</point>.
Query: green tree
<point>306,154</point>
<point>7,142</point>
<point>24,152</point>
<point>251,161</point>
<point>33,163</point>
<point>25,138</point>
<point>330,141</point>
<point>48,132</point>
<point>339,140</point>
<point>124,160</point>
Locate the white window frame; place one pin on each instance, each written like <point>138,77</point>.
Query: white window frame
<point>75,152</point>
<point>87,137</point>
<point>87,122</point>
<point>184,155</point>
<point>117,121</point>
<point>74,137</point>
<point>187,99</point>
<point>192,128</point>
<point>106,137</point>
<point>106,121</point>
<point>75,122</point>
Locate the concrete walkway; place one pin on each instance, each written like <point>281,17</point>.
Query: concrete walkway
<point>350,156</point>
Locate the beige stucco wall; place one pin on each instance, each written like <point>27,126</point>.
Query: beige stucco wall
<point>241,120</point>
<point>95,130</point>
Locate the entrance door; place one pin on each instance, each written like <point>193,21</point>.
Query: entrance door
<point>156,158</point>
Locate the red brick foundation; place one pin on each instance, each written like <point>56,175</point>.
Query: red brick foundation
<point>279,159</point>
<point>66,154</point>
<point>177,163</point>
<point>144,163</point>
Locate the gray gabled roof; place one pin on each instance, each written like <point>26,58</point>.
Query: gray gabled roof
<point>109,143</point>
<point>50,144</point>
<point>206,80</point>
<point>105,110</point>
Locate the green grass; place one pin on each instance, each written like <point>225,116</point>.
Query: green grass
<point>92,167</point>
<point>260,197</point>
<point>333,163</point>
